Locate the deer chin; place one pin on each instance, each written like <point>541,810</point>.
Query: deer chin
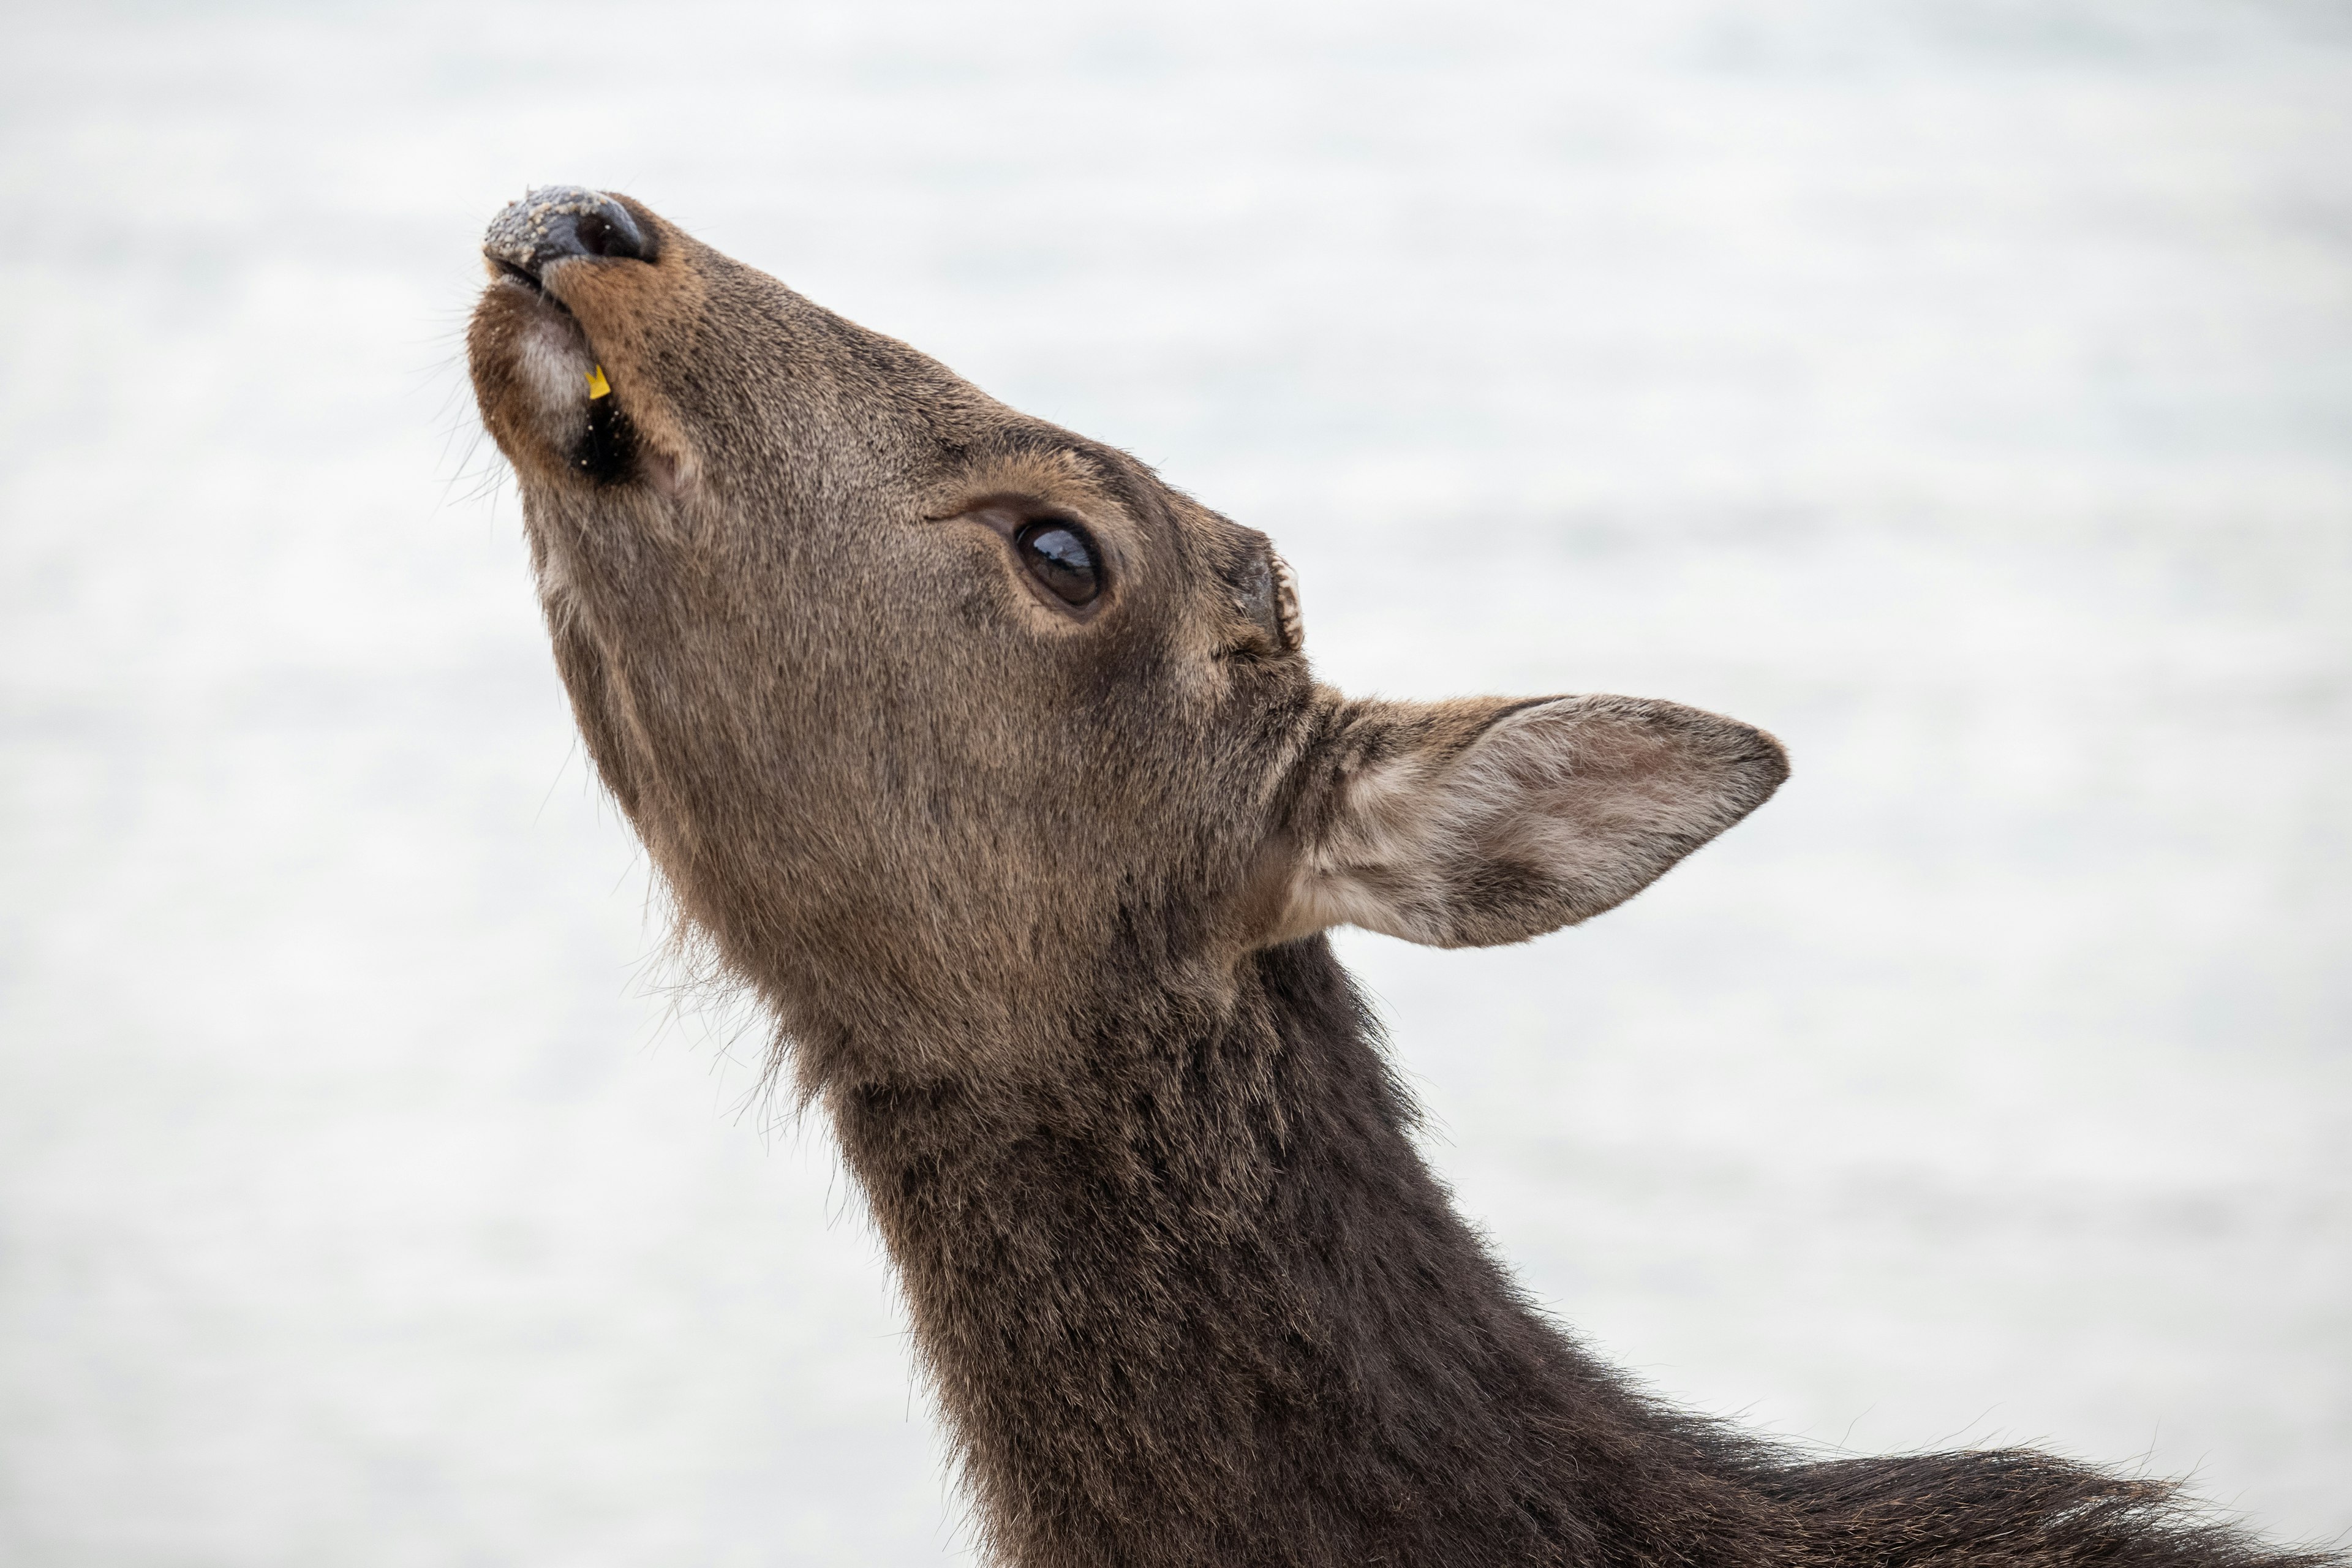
<point>554,367</point>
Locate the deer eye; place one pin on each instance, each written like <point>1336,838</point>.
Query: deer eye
<point>1061,556</point>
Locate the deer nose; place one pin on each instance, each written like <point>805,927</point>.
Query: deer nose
<point>556,222</point>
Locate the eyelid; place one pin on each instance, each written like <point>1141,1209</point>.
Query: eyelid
<point>1009,517</point>
<point>1006,520</point>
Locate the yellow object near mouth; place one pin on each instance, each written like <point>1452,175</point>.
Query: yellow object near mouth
<point>597,385</point>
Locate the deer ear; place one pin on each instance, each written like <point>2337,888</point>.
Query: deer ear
<point>1469,824</point>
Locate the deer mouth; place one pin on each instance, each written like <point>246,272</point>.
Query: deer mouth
<point>561,227</point>
<point>551,392</point>
<point>507,272</point>
<point>576,279</point>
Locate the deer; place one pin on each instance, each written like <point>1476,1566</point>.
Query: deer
<point>992,768</point>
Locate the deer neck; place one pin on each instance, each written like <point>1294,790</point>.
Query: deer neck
<point>1201,1301</point>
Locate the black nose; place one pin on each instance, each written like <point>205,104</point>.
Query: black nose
<point>558,221</point>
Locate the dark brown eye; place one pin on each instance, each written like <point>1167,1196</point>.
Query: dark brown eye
<point>1061,556</point>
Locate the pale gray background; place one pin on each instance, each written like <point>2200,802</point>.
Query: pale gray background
<point>1962,390</point>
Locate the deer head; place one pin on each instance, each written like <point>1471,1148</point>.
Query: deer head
<point>953,729</point>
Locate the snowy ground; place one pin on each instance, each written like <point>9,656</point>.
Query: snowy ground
<point>1962,390</point>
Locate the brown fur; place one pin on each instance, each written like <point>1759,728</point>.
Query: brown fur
<point>1035,896</point>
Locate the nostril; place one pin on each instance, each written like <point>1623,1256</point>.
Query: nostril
<point>556,222</point>
<point>611,232</point>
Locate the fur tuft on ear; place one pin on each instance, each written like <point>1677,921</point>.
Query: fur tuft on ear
<point>1476,823</point>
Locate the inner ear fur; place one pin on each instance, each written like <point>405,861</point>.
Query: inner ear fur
<point>1471,824</point>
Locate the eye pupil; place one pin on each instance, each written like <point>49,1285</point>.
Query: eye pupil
<point>1060,556</point>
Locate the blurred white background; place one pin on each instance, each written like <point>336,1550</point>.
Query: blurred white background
<point>1961,388</point>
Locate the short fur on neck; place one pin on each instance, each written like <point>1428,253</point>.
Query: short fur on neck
<point>1204,1303</point>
